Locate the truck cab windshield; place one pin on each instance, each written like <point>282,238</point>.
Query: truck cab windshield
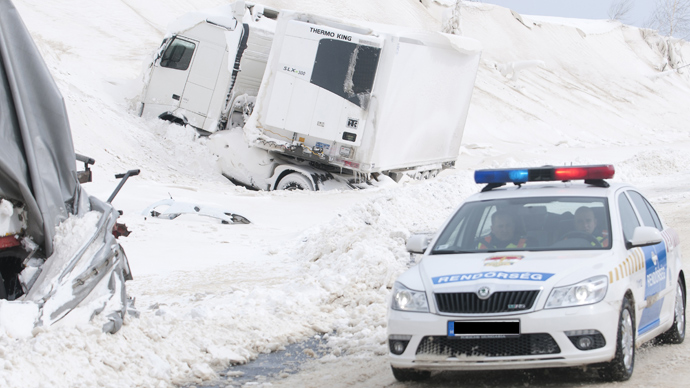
<point>178,55</point>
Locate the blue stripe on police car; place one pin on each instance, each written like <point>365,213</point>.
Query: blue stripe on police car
<point>655,281</point>
<point>498,275</point>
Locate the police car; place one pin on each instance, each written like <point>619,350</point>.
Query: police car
<point>568,272</point>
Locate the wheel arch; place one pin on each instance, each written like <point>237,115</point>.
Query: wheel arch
<point>681,277</point>
<point>631,297</point>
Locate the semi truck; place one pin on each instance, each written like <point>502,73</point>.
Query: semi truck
<point>293,100</point>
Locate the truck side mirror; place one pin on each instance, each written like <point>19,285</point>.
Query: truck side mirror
<point>418,243</point>
<point>644,236</point>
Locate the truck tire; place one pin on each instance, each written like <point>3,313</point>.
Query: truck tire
<point>622,365</point>
<point>294,181</point>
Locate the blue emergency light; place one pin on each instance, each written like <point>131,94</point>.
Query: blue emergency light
<point>499,177</point>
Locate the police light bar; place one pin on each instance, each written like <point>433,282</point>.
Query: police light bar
<point>544,174</point>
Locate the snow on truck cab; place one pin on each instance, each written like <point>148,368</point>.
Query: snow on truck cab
<point>298,101</point>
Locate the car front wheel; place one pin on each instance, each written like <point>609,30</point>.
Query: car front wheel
<point>404,374</point>
<point>621,367</point>
<point>676,334</point>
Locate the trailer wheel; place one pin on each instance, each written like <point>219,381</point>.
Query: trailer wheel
<point>294,181</point>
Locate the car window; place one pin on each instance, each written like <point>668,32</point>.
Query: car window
<point>537,223</point>
<point>628,217</point>
<point>649,216</point>
<point>178,55</point>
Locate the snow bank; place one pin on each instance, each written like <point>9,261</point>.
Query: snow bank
<point>357,256</point>
<point>17,318</point>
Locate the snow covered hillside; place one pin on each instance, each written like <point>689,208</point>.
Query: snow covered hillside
<point>594,85</point>
<point>549,91</point>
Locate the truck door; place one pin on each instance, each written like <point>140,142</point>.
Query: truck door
<point>169,76</point>
<point>201,83</point>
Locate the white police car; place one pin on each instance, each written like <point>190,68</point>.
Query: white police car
<point>557,274</point>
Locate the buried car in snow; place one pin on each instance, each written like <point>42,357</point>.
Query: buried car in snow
<point>557,274</point>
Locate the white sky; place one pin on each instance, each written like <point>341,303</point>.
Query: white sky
<point>581,9</point>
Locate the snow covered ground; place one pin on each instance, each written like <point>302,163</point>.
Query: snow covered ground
<point>549,91</point>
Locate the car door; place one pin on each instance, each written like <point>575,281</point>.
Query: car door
<point>673,260</point>
<point>658,281</point>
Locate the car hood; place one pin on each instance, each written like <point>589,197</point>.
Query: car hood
<point>511,270</point>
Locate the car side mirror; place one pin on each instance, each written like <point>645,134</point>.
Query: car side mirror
<point>418,243</point>
<point>644,236</point>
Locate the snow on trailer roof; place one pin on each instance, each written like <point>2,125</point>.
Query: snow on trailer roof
<point>225,16</point>
<point>411,14</point>
<point>385,21</point>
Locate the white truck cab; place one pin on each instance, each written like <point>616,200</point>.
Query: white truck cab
<point>191,75</point>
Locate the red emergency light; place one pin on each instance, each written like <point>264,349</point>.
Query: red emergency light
<point>584,172</point>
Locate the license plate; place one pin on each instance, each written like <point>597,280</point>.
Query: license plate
<point>483,329</point>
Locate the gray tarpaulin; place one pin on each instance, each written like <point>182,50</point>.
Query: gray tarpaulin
<point>37,161</point>
<point>38,169</point>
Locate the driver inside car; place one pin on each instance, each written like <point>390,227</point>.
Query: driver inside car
<point>503,235</point>
<point>586,222</point>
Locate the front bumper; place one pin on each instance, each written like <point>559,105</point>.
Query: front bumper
<point>536,327</point>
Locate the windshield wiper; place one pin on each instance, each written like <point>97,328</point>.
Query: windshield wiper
<point>449,252</point>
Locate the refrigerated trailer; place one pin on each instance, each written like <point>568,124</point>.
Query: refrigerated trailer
<point>295,100</point>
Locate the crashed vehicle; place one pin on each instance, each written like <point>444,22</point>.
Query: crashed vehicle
<point>44,279</point>
<point>293,100</point>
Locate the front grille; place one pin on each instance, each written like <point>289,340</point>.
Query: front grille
<point>498,302</point>
<point>524,345</point>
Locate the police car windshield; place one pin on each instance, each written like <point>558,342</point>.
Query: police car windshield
<point>527,224</point>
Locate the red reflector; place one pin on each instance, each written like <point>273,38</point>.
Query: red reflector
<point>590,172</point>
<point>9,242</point>
<point>351,164</point>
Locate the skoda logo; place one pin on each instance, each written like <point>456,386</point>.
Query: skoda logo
<point>483,293</point>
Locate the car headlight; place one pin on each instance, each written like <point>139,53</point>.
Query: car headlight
<point>590,291</point>
<point>405,299</point>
